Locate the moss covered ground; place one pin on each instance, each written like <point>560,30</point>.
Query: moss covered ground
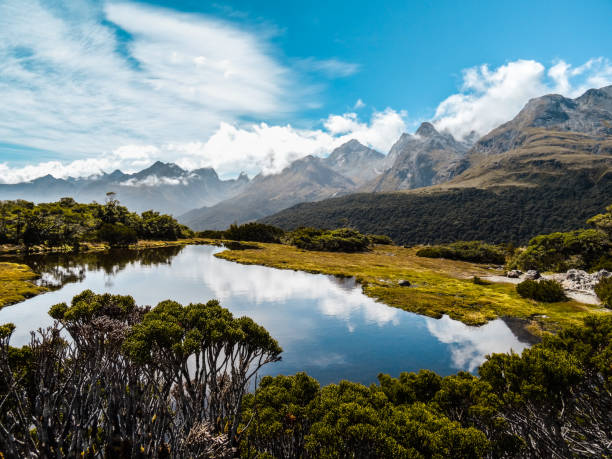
<point>16,283</point>
<point>438,286</point>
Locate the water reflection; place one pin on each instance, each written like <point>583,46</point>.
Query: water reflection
<point>325,325</point>
<point>58,269</point>
<point>470,345</point>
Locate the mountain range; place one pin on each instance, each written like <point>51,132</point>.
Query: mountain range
<point>164,187</point>
<point>546,170</point>
<point>305,180</point>
<point>553,142</point>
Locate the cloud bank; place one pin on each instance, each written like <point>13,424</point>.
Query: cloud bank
<point>121,85</point>
<point>490,97</point>
<point>231,149</point>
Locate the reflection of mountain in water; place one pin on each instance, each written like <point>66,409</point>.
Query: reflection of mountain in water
<point>58,269</point>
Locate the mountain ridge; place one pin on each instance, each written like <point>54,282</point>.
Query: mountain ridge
<point>164,187</point>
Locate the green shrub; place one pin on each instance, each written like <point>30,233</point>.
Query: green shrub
<point>549,291</point>
<point>604,262</point>
<point>340,240</point>
<point>211,234</point>
<point>580,249</point>
<point>236,245</point>
<point>475,251</point>
<point>478,281</point>
<point>117,234</point>
<point>254,232</point>
<point>380,239</point>
<point>604,291</point>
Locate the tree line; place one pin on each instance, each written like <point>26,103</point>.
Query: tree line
<point>67,222</point>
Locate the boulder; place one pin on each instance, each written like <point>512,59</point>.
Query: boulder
<point>532,274</point>
<point>601,274</point>
<point>403,283</point>
<point>577,279</point>
<point>514,274</point>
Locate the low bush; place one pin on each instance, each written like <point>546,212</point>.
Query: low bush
<point>236,245</point>
<point>211,234</point>
<point>604,262</point>
<point>340,240</point>
<point>380,239</point>
<point>604,291</point>
<point>478,281</point>
<point>254,232</point>
<point>580,249</point>
<point>549,291</point>
<point>475,251</point>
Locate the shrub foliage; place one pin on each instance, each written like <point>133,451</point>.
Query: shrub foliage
<point>340,240</point>
<point>580,249</point>
<point>132,382</point>
<point>475,251</point>
<point>67,222</point>
<point>547,290</point>
<point>603,289</point>
<point>253,232</point>
<point>172,381</point>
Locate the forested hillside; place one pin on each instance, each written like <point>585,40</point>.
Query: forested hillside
<point>497,215</point>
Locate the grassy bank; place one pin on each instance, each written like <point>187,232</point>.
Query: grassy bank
<point>438,286</point>
<point>13,249</point>
<point>16,283</point>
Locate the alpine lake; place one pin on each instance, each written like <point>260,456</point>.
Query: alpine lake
<point>326,326</point>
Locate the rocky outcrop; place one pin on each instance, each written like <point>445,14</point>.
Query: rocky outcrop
<point>581,281</point>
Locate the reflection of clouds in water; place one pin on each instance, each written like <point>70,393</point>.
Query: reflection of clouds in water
<point>338,298</point>
<point>470,345</point>
<point>344,305</point>
<point>326,360</point>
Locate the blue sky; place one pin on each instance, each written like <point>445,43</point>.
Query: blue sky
<point>88,86</point>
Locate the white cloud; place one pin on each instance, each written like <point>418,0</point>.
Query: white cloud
<point>470,345</point>
<point>154,180</point>
<point>232,149</point>
<point>490,97</point>
<point>70,83</point>
<point>332,68</point>
<point>359,104</point>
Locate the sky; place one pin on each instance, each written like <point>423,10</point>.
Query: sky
<point>91,86</point>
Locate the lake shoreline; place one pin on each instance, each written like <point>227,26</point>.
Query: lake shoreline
<point>438,287</point>
<point>16,284</point>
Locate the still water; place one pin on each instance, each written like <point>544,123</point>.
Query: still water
<point>325,325</point>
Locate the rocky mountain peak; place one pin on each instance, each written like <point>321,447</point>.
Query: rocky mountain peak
<point>590,114</point>
<point>161,169</point>
<point>427,130</point>
<point>355,161</point>
<point>45,179</point>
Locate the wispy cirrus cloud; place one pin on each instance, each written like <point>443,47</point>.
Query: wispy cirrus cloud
<point>332,68</point>
<point>88,78</point>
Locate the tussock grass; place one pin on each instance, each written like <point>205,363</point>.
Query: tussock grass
<point>438,286</point>
<point>15,283</point>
